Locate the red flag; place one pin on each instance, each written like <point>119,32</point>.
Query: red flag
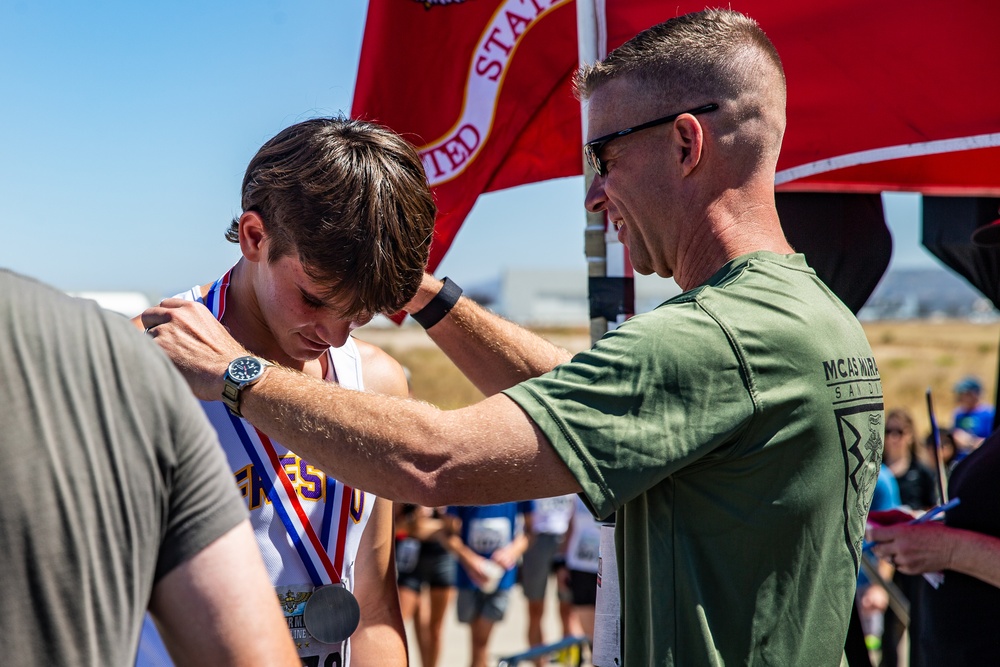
<point>881,96</point>
<point>482,88</point>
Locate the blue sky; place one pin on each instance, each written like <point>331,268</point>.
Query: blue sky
<point>125,128</point>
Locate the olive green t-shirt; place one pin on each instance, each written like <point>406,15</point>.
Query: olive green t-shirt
<point>735,431</point>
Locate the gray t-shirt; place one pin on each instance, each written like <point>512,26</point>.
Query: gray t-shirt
<point>112,477</point>
<point>736,433</point>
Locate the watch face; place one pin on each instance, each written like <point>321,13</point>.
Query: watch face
<point>245,369</point>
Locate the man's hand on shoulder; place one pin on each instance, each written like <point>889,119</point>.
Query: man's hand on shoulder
<point>195,341</point>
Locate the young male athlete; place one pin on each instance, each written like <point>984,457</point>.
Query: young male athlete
<point>336,224</point>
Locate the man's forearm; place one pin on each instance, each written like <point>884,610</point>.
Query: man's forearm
<point>397,448</point>
<point>362,439</point>
<point>406,450</point>
<point>977,555</point>
<point>494,353</point>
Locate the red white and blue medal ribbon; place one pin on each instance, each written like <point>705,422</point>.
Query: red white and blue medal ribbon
<point>281,492</point>
<point>331,613</point>
<point>278,486</point>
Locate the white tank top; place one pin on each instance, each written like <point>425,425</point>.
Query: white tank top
<point>337,513</point>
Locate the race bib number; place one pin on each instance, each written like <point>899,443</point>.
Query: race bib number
<point>332,660</point>
<point>560,504</point>
<point>407,554</point>
<point>486,535</point>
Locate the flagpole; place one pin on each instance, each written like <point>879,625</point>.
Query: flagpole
<point>594,223</point>
<point>607,301</point>
<point>611,287</point>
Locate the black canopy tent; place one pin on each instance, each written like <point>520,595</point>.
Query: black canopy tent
<point>948,224</point>
<point>847,242</point>
<point>844,237</point>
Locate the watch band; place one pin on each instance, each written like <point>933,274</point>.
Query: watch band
<point>231,396</point>
<point>439,306</point>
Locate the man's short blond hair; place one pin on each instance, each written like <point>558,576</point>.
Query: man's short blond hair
<point>715,55</point>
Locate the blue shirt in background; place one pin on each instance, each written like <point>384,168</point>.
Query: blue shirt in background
<point>486,528</point>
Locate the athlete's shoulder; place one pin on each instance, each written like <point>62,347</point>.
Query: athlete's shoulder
<point>382,373</point>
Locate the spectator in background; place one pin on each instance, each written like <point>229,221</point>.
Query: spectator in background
<point>929,458</point>
<point>488,541</point>
<point>580,563</point>
<point>426,575</point>
<point>549,523</point>
<point>973,420</point>
<point>948,450</point>
<point>955,624</point>
<point>957,619</point>
<point>117,499</point>
<point>917,482</point>
<point>425,569</point>
<point>918,491</point>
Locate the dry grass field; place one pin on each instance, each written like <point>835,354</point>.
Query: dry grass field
<point>912,356</point>
<point>916,355</point>
<point>435,379</point>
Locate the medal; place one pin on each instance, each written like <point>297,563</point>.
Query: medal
<point>331,614</point>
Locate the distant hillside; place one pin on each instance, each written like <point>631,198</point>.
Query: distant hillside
<point>922,293</point>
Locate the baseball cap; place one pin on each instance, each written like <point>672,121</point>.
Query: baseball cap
<point>987,236</point>
<point>968,384</point>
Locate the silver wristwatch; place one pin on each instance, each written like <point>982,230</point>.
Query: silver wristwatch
<point>242,372</point>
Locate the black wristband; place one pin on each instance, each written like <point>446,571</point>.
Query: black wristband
<point>439,306</point>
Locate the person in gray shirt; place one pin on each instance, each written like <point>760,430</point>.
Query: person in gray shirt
<point>117,500</point>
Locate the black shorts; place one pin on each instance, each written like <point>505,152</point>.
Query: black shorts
<point>434,567</point>
<point>583,585</point>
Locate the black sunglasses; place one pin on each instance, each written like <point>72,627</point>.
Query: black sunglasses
<point>592,148</point>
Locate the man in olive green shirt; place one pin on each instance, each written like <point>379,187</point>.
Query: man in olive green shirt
<point>735,430</point>
<point>720,430</point>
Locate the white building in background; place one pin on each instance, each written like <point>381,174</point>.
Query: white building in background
<point>128,304</point>
<point>546,297</point>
